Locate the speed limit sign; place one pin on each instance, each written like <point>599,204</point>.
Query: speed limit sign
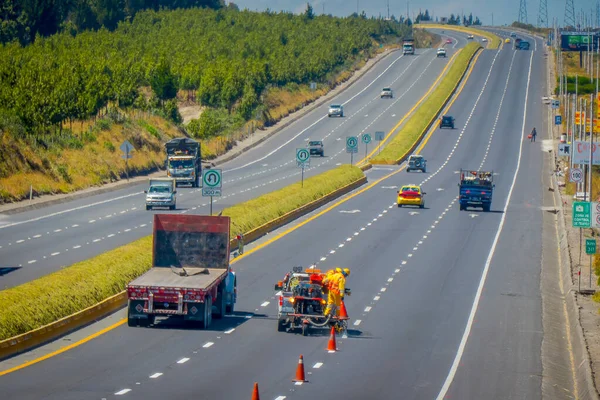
<point>576,175</point>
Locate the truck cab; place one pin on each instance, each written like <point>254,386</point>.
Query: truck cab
<point>408,46</point>
<point>476,189</point>
<point>184,161</point>
<point>161,193</point>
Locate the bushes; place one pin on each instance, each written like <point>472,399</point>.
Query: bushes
<point>79,286</point>
<point>412,130</point>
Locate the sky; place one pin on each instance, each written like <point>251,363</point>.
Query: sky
<point>504,11</point>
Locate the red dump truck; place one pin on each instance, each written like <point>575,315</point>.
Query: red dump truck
<point>190,276</point>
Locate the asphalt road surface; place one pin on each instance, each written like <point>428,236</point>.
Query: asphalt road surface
<point>35,243</point>
<point>423,282</point>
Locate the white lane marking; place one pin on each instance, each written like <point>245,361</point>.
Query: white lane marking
<point>298,383</point>
<point>266,303</point>
<point>127,230</point>
<point>55,253</point>
<point>357,322</point>
<point>355,233</point>
<point>74,226</point>
<point>20,241</point>
<point>403,262</point>
<point>76,247</point>
<point>314,123</point>
<point>156,375</point>
<point>362,229</point>
<point>91,221</point>
<point>382,289</point>
<point>227,332</point>
<point>57,230</point>
<point>123,212</point>
<point>467,332</point>
<point>318,365</point>
<point>142,225</point>
<point>410,255</point>
<point>397,270</point>
<point>110,235</point>
<point>122,392</point>
<point>376,298</point>
<point>31,261</point>
<point>323,259</point>
<point>367,309</point>
<point>37,236</point>
<point>280,398</point>
<point>341,245</point>
<point>349,211</point>
<point>183,360</point>
<point>348,239</point>
<point>96,240</point>
<point>390,279</point>
<point>332,252</point>
<point>208,344</point>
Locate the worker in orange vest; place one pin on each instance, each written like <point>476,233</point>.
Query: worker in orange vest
<point>337,287</point>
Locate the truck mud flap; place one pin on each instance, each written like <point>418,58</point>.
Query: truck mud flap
<point>195,312</point>
<point>136,310</point>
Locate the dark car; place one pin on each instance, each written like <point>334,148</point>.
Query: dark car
<point>316,147</point>
<point>523,45</point>
<point>416,163</point>
<point>447,122</point>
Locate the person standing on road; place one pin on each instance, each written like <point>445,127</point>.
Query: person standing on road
<point>533,134</point>
<point>337,287</point>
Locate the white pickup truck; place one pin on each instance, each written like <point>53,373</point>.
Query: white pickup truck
<point>161,193</point>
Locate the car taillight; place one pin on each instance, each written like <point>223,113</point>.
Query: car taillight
<point>280,301</point>
<point>483,193</point>
<point>468,191</point>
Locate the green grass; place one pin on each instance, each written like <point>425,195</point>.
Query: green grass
<point>79,286</point>
<point>417,124</point>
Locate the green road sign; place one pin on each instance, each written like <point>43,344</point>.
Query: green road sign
<point>582,214</point>
<point>302,156</point>
<point>590,246</point>
<point>211,183</point>
<point>366,138</point>
<point>351,144</point>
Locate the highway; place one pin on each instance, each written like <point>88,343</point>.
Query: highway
<point>423,282</point>
<point>34,243</point>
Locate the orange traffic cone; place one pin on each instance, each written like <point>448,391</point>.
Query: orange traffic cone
<point>255,395</point>
<point>331,346</point>
<point>300,377</point>
<point>343,312</point>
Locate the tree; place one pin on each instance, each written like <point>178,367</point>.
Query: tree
<point>309,13</point>
<point>163,82</point>
<point>426,16</point>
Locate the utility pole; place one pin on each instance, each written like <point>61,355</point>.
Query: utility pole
<point>492,19</point>
<point>523,11</point>
<point>570,13</point>
<point>388,9</point>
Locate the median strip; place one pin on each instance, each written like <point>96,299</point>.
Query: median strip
<point>420,122</point>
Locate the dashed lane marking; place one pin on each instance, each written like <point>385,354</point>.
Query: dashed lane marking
<point>155,375</point>
<point>122,392</point>
<point>183,360</point>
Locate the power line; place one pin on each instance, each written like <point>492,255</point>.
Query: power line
<point>523,11</point>
<point>543,14</point>
<point>570,13</point>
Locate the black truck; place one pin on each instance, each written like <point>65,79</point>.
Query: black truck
<point>183,161</point>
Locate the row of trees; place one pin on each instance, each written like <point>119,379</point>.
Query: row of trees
<point>227,57</point>
<point>23,20</point>
<point>453,20</point>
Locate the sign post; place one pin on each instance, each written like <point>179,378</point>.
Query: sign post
<point>351,147</point>
<point>379,135</point>
<point>126,147</point>
<point>302,159</point>
<point>366,139</point>
<point>212,182</point>
<point>590,249</point>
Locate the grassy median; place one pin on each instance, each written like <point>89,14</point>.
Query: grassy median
<point>84,284</point>
<point>418,123</point>
<point>494,41</point>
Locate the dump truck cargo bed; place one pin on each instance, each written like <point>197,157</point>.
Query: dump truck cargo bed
<point>165,277</point>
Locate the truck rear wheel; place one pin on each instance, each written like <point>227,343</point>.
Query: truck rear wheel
<point>220,304</point>
<point>281,326</point>
<point>205,323</point>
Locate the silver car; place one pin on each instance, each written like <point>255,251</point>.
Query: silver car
<point>441,52</point>
<point>336,110</point>
<point>387,92</point>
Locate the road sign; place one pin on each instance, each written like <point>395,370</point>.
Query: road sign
<point>590,246</point>
<point>212,182</point>
<point>555,104</point>
<point>366,138</point>
<point>126,147</point>
<point>582,217</point>
<point>581,152</point>
<point>351,144</point>
<point>564,149</point>
<point>576,175</point>
<point>557,119</point>
<point>379,135</point>
<point>313,86</point>
<point>302,156</point>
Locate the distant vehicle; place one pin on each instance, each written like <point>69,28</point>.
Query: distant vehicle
<point>507,40</point>
<point>416,163</point>
<point>161,193</point>
<point>411,195</point>
<point>316,147</point>
<point>387,92</point>
<point>523,45</point>
<point>470,37</point>
<point>336,110</point>
<point>190,276</point>
<point>513,34</point>
<point>447,121</point>
<point>441,52</point>
<point>184,161</point>
<point>476,189</point>
<point>448,41</point>
<point>408,46</point>
<point>484,39</point>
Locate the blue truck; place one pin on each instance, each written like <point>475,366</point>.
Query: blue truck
<point>476,189</point>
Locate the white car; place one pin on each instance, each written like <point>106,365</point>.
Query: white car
<point>470,37</point>
<point>441,52</point>
<point>336,110</point>
<point>387,92</point>
<point>483,39</point>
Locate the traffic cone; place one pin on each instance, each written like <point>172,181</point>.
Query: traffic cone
<point>331,346</point>
<point>300,377</point>
<point>343,312</point>
<point>255,395</point>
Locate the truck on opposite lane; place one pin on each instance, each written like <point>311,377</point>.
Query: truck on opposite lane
<point>183,161</point>
<point>190,276</point>
<point>408,46</point>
